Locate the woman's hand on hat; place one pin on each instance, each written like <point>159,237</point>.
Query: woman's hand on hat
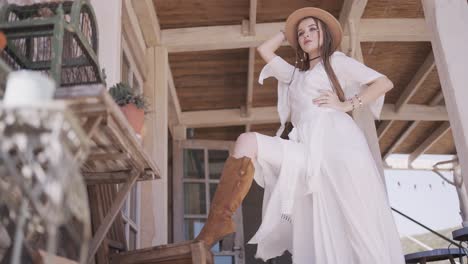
<point>329,99</point>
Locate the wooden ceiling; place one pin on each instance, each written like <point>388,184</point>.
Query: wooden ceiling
<point>209,79</point>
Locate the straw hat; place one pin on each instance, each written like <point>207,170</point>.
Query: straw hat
<point>327,18</point>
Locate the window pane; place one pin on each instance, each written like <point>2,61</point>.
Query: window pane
<point>124,208</point>
<point>133,203</point>
<point>194,163</point>
<point>194,198</point>
<point>193,228</point>
<point>216,247</point>
<point>132,240</point>
<point>213,187</point>
<point>216,159</point>
<point>223,259</point>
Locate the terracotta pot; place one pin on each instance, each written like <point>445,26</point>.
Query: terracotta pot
<point>135,116</point>
<point>3,41</point>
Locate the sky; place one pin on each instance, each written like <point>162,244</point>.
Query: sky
<point>422,195</point>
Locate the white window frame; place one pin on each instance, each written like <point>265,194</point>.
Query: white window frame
<point>178,198</point>
<point>133,70</point>
<point>128,222</point>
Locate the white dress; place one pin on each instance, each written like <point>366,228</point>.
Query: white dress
<point>324,198</point>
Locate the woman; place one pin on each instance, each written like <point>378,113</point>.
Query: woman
<point>325,201</point>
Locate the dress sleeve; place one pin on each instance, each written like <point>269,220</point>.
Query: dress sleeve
<point>282,71</point>
<point>357,76</point>
<point>278,68</point>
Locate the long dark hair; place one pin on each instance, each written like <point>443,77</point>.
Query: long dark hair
<point>325,52</point>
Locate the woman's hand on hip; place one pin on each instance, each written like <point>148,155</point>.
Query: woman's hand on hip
<point>329,99</point>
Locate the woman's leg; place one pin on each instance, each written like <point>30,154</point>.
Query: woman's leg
<point>235,182</point>
<point>246,145</point>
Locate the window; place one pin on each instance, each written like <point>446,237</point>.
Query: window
<point>131,217</point>
<point>131,208</point>
<point>201,166</point>
<point>129,72</point>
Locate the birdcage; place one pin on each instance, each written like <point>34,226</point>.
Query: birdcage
<point>58,38</point>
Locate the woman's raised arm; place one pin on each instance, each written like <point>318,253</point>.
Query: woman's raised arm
<point>267,49</point>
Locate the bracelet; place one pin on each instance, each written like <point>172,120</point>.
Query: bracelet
<point>352,103</point>
<point>359,99</point>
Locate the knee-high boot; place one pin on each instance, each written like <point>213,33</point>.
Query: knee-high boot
<point>235,182</point>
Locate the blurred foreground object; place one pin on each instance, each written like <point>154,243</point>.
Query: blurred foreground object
<point>28,87</point>
<point>43,199</point>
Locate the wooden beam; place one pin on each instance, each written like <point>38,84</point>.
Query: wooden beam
<point>383,128</point>
<point>435,101</point>
<point>133,20</point>
<point>352,10</point>
<point>178,190</point>
<point>246,111</point>
<point>148,21</point>
<point>110,216</point>
<point>252,17</point>
<point>411,112</point>
<point>430,141</point>
<point>111,177</point>
<point>109,156</point>
<point>180,133</point>
<point>350,18</point>
<point>131,31</point>
<point>159,137</point>
<point>269,115</point>
<point>91,124</point>
<point>229,117</point>
<point>416,82</point>
<point>393,29</point>
<point>207,38</point>
<point>447,22</point>
<point>400,139</point>
<point>250,82</point>
<point>174,104</point>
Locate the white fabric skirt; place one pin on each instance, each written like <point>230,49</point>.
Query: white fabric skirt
<point>348,220</point>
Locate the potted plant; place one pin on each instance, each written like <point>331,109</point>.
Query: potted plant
<point>133,104</point>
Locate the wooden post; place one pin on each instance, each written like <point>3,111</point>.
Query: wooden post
<point>156,138</point>
<point>110,216</point>
<point>350,17</point>
<point>365,120</point>
<point>178,190</point>
<point>446,21</point>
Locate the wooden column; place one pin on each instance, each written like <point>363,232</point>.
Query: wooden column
<point>155,143</point>
<point>365,120</point>
<point>350,18</point>
<point>447,21</point>
<point>178,190</point>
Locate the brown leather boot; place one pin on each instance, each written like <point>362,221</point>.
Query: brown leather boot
<point>234,185</point>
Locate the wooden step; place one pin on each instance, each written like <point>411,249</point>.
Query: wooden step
<point>189,252</point>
